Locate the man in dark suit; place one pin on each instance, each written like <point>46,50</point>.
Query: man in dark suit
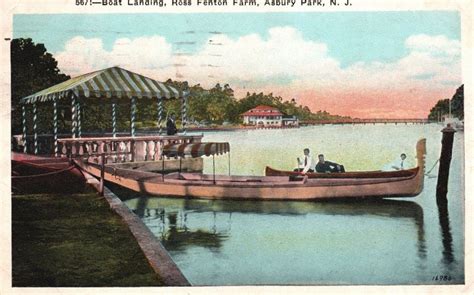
<point>324,166</point>
<point>171,126</point>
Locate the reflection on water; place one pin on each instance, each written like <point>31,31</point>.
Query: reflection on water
<point>183,224</point>
<point>448,256</point>
<point>177,237</point>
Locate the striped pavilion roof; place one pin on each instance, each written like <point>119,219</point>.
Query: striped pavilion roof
<point>110,82</point>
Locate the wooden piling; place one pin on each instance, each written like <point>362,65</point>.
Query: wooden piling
<point>444,164</point>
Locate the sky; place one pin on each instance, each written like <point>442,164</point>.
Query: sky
<point>360,64</point>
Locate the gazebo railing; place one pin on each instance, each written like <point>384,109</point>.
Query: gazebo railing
<point>120,149</point>
<point>45,143</point>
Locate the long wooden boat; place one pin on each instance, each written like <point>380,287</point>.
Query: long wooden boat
<point>198,185</point>
<point>350,174</point>
<point>38,174</point>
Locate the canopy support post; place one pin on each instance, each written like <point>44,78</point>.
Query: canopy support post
<point>133,108</point>
<point>213,169</point>
<point>184,113</point>
<point>180,165</point>
<point>228,158</point>
<point>114,119</point>
<point>162,162</point>
<point>25,142</point>
<point>79,123</point>
<point>35,127</point>
<point>55,127</point>
<point>160,115</point>
<point>73,115</point>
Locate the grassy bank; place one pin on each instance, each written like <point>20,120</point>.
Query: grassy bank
<point>74,240</point>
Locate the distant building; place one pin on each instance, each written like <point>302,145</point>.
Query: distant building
<point>263,116</point>
<point>290,121</point>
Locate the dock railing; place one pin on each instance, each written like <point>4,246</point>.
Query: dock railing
<point>120,149</point>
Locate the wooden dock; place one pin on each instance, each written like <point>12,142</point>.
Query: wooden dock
<point>365,121</point>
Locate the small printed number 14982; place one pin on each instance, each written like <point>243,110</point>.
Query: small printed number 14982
<point>441,278</point>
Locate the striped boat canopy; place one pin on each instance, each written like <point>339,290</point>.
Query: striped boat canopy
<point>110,82</point>
<point>196,149</point>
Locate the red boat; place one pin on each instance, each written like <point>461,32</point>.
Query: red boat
<point>37,174</point>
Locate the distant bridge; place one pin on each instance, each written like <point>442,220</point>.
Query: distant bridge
<point>365,121</point>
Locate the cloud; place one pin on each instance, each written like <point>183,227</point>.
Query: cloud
<point>437,45</point>
<point>284,53</point>
<point>144,54</point>
<point>285,63</point>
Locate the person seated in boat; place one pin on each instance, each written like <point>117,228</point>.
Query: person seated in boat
<point>306,163</point>
<point>399,164</point>
<point>324,166</point>
<point>171,126</point>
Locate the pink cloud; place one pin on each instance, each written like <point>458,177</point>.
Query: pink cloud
<point>369,103</point>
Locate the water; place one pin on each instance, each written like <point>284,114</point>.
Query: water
<point>397,241</point>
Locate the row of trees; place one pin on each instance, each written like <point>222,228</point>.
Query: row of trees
<point>441,109</point>
<point>34,69</point>
<point>219,105</point>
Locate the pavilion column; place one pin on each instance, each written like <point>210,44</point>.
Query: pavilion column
<point>184,113</point>
<point>79,121</point>
<point>114,119</point>
<point>133,110</point>
<point>25,142</point>
<point>55,127</point>
<point>35,127</point>
<point>160,115</point>
<point>73,116</point>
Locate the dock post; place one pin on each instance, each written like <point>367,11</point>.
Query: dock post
<point>102,174</point>
<point>444,164</point>
<point>213,170</point>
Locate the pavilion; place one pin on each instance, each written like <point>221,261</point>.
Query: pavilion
<point>112,85</point>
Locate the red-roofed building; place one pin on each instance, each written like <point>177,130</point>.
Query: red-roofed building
<point>263,116</point>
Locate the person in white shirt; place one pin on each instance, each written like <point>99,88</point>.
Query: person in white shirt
<point>399,164</point>
<point>306,163</point>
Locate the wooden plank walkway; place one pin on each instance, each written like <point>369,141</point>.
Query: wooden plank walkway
<point>366,121</point>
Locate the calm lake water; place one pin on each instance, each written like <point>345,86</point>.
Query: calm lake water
<point>396,241</point>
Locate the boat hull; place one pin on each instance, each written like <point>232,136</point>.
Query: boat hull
<point>35,174</point>
<point>185,185</point>
<point>261,188</point>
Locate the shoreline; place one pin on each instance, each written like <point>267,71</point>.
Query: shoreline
<point>236,128</point>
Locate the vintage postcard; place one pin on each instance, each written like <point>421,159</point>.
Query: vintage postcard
<point>237,145</point>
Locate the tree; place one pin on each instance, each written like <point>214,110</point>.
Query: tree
<point>32,69</point>
<point>218,104</point>
<point>457,103</point>
<point>442,106</point>
<point>440,109</point>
